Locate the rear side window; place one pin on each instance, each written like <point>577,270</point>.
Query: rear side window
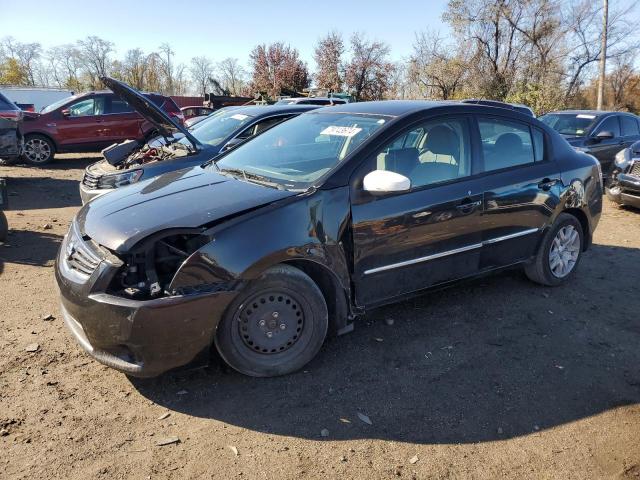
<point>120,106</point>
<point>629,126</point>
<point>165,103</point>
<point>609,124</point>
<point>507,144</point>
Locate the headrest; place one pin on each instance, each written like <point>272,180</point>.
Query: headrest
<point>442,140</point>
<point>509,142</point>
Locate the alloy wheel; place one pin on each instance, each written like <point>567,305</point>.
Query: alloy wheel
<point>564,251</point>
<point>37,150</point>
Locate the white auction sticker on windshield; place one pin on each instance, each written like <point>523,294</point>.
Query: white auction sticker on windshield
<point>239,116</point>
<point>341,131</point>
<point>582,115</point>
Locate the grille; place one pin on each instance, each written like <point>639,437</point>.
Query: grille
<point>635,169</point>
<point>78,255</point>
<point>90,180</point>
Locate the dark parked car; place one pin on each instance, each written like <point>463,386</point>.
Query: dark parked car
<point>601,134</point>
<point>624,179</point>
<point>315,221</point>
<point>323,101</point>
<point>176,147</point>
<point>10,131</point>
<point>87,123</point>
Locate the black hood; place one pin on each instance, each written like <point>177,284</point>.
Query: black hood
<point>149,110</point>
<point>188,198</point>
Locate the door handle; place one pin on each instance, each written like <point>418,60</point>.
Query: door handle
<point>547,183</point>
<point>468,206</point>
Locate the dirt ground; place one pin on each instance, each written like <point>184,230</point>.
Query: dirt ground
<point>494,378</point>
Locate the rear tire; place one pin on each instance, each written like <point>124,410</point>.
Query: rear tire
<point>4,227</point>
<point>275,326</point>
<point>559,253</point>
<point>38,150</point>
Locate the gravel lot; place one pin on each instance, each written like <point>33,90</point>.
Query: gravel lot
<point>493,378</point>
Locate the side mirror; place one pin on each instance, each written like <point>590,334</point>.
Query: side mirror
<point>233,143</point>
<point>65,112</point>
<point>385,181</point>
<point>604,135</point>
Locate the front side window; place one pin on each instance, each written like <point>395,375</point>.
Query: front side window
<point>433,152</point>
<point>299,151</point>
<point>505,143</point>
<point>88,107</point>
<point>609,124</point>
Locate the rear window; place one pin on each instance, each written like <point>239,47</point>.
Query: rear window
<point>507,144</point>
<point>165,103</point>
<point>6,104</point>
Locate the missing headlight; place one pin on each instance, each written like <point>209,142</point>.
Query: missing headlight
<point>149,270</point>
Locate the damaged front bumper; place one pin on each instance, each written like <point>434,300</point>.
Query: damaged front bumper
<point>625,190</point>
<point>142,338</point>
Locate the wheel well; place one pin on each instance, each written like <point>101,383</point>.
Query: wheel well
<point>332,292</point>
<point>38,134</point>
<point>584,223</point>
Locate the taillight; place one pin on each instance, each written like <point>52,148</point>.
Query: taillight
<point>11,114</point>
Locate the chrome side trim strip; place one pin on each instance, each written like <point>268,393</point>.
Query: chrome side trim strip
<point>510,236</point>
<point>423,259</point>
<point>451,252</point>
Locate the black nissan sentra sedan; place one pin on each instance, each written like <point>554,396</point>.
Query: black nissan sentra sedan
<point>292,235</point>
<point>175,146</point>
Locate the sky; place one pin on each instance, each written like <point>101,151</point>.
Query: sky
<point>216,29</point>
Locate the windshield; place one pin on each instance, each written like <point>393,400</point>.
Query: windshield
<point>214,129</point>
<point>299,151</point>
<point>571,124</point>
<point>59,103</point>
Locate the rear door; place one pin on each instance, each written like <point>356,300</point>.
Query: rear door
<point>84,126</point>
<point>404,242</point>
<point>122,121</point>
<point>630,129</point>
<point>521,189</point>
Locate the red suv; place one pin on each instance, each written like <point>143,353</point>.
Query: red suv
<point>86,123</point>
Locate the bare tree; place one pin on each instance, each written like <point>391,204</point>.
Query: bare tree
<point>328,56</point>
<point>232,76</point>
<point>278,69</point>
<point>438,69</point>
<point>201,70</point>
<point>135,68</point>
<point>27,56</point>
<point>166,62</point>
<point>622,79</point>
<point>95,53</point>
<point>368,73</point>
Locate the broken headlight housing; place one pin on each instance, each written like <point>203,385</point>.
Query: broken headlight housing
<point>621,160</point>
<point>116,180</point>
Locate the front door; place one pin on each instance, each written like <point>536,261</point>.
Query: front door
<point>84,124</point>
<point>408,241</point>
<point>605,149</point>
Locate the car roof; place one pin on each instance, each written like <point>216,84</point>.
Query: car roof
<point>402,108</point>
<point>596,113</point>
<point>263,110</point>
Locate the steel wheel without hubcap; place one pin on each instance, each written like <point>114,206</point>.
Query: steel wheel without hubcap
<point>275,325</point>
<point>270,322</point>
<point>564,251</point>
<point>37,150</point>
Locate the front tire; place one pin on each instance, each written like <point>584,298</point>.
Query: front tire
<point>4,227</point>
<point>38,150</point>
<point>559,253</point>
<point>275,326</point>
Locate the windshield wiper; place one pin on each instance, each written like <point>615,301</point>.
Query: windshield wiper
<point>250,177</point>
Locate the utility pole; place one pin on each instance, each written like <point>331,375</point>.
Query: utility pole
<point>603,55</point>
